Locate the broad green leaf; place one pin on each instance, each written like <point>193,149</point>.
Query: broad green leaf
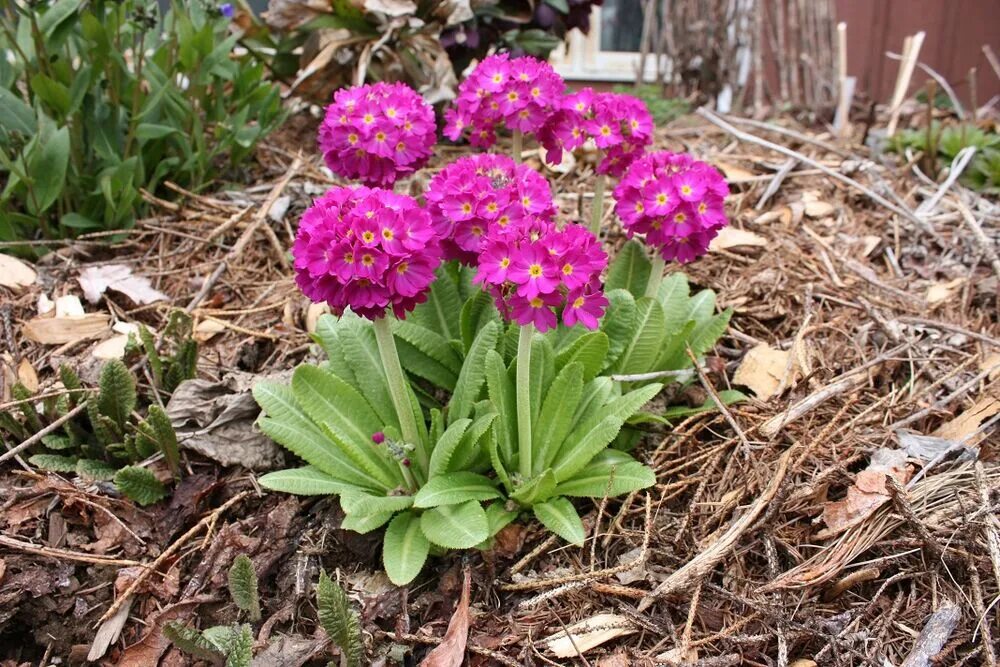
<point>559,516</point>
<point>240,653</point>
<point>629,270</point>
<point>150,131</point>
<point>454,488</point>
<point>430,343</point>
<point>701,306</point>
<point>536,489</point>
<point>498,517</point>
<point>673,296</point>
<point>621,407</point>
<point>471,447</point>
<point>461,526</point>
<point>46,167</point>
<point>590,350</point>
<point>366,504</point>
<point>339,619</point>
<point>116,398</point>
<point>423,366</point>
<point>477,312</point>
<point>470,380</point>
<point>54,462</point>
<point>327,335</point>
<point>305,481</point>
<point>445,447</point>
<point>503,396</point>
<point>596,393</point>
<point>339,408</point>
<point>496,459</point>
<point>98,471</point>
<point>284,421</point>
<point>728,396</point>
<point>243,586</point>
<point>404,549</point>
<point>707,333</point>
<point>52,92</point>
<point>577,453</point>
<point>140,484</point>
<point>592,481</point>
<point>365,524</point>
<point>442,310</point>
<point>556,416</point>
<point>166,437</point>
<point>357,339</point>
<point>190,641</point>
<point>646,338</point>
<point>672,354</point>
<point>618,323</point>
<point>17,115</point>
<point>57,13</point>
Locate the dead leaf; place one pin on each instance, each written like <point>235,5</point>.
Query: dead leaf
<point>965,427</point>
<point>391,7</point>
<point>147,651</point>
<point>870,491</point>
<point>68,305</point>
<point>783,214</point>
<point>313,313</point>
<point>27,376</point>
<point>451,651</point>
<point>763,368</point>
<point>207,329</point>
<point>991,363</point>
<point>616,659</point>
<point>14,273</point>
<point>288,15</point>
<point>869,244</point>
<point>109,631</point>
<point>819,209</point>
<point>679,656</point>
<point>61,330</point>
<point>216,419</point>
<point>731,237</point>
<point>929,447</point>
<point>95,280</point>
<point>587,634</point>
<point>735,174</point>
<point>803,662</point>
<point>939,292</point>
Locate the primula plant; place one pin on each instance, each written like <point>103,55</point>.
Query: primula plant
<point>480,349</point>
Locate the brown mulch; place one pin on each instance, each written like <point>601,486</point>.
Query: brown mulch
<point>892,326</point>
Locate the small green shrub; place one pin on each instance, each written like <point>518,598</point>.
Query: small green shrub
<point>942,143</point>
<point>663,109</point>
<point>102,99</point>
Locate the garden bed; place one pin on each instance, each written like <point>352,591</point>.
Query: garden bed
<point>865,305</point>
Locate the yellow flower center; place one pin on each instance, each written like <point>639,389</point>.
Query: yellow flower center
<point>535,270</point>
<point>390,112</point>
<point>352,139</point>
<point>605,130</point>
<point>503,220</point>
<point>387,234</point>
<point>661,198</point>
<point>368,236</point>
<point>349,257</point>
<point>686,189</point>
<point>535,92</point>
<point>380,136</point>
<point>702,207</point>
<point>477,230</point>
<point>466,207</point>
<point>536,302</point>
<point>578,302</point>
<point>679,218</point>
<point>369,119</point>
<point>512,96</point>
<point>567,269</point>
<point>505,262</point>
<point>367,260</point>
<point>639,208</point>
<point>497,78</point>
<point>402,268</point>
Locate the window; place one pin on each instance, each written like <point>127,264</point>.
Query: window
<point>611,51</point>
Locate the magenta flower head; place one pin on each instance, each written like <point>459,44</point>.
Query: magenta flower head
<point>619,125</point>
<point>473,194</point>
<point>377,133</point>
<point>532,268</point>
<point>366,249</point>
<point>675,200</point>
<point>517,93</point>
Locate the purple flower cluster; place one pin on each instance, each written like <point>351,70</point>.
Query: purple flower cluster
<point>473,194</point>
<point>675,200</point>
<point>366,249</point>
<point>619,125</point>
<point>518,93</point>
<point>532,268</point>
<point>377,133</point>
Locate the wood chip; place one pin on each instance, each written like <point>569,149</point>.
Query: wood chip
<point>735,174</point>
<point>819,209</point>
<point>27,376</point>
<point>963,428</point>
<point>764,368</point>
<point>62,330</point>
<point>731,237</point>
<point>587,634</point>
<point>15,273</point>
<point>940,292</point>
<point>207,329</point>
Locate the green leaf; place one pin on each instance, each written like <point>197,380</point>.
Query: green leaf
<point>190,641</point>
<point>57,442</point>
<point>561,5</point>
<point>477,312</point>
<point>556,417</point>
<point>18,116</point>
<point>471,448</point>
<point>346,415</point>
<point>461,526</point>
<point>54,462</point>
<point>339,620</point>
<point>620,408</point>
<point>95,470</point>
<point>503,396</point>
<point>470,380</point>
<point>578,452</point>
<point>728,396</point>
<point>701,306</point>
<point>365,504</point>
<point>116,398</point>
<point>46,167</point>
<point>534,41</point>
<point>240,653</point>
<point>149,346</point>
<point>140,484</point>
<point>150,131</point>
<point>53,93</point>
<point>305,481</point>
<point>454,488</point>
<point>243,586</point>
<point>559,516</point>
<point>286,423</point>
<point>365,524</point>
<point>56,14</point>
<point>629,270</point>
<point>674,298</point>
<point>618,323</point>
<point>445,447</point>
<point>646,339</point>
<point>430,343</point>
<point>536,489</point>
<point>357,338</point>
<point>404,549</point>
<point>166,437</point>
<point>592,481</point>
<point>590,350</point>
<point>443,303</point>
<point>498,517</point>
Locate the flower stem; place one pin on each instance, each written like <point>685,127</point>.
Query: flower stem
<point>524,400</point>
<point>518,139</point>
<point>655,276</point>
<point>398,388</point>
<point>597,208</point>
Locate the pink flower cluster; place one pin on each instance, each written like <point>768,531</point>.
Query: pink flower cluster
<point>675,200</point>
<point>377,133</point>
<point>532,268</point>
<point>619,125</point>
<point>518,93</point>
<point>366,249</point>
<point>473,194</point>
